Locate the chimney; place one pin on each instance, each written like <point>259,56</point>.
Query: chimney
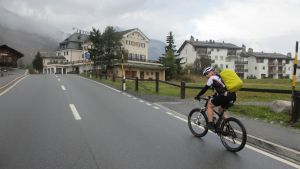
<point>244,48</point>
<point>196,40</point>
<point>289,55</point>
<point>192,39</point>
<point>210,41</point>
<point>213,41</point>
<point>250,50</point>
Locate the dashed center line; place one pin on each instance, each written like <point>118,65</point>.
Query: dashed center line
<point>169,113</point>
<point>157,108</point>
<point>63,87</point>
<point>75,112</point>
<point>142,101</point>
<point>134,98</point>
<point>148,104</point>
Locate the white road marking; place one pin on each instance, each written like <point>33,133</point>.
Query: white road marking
<point>273,156</point>
<point>124,94</point>
<point>157,108</point>
<point>148,104</point>
<point>75,112</point>
<point>129,95</point>
<point>134,98</point>
<point>63,87</point>
<point>58,80</point>
<point>248,146</point>
<point>102,84</point>
<point>6,90</point>
<point>169,113</point>
<point>142,101</point>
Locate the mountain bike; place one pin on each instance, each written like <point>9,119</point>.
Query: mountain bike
<point>230,130</point>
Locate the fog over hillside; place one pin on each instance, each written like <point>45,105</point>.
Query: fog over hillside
<point>28,36</point>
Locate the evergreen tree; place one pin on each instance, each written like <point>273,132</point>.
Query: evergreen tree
<point>97,50</point>
<point>174,68</point>
<point>107,48</point>
<point>37,63</point>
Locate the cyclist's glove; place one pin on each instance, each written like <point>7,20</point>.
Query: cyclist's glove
<point>197,97</point>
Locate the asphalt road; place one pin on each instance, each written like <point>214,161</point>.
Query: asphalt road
<point>70,122</point>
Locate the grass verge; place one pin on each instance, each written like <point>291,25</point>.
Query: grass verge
<point>262,113</point>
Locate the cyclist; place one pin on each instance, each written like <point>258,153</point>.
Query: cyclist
<point>221,97</point>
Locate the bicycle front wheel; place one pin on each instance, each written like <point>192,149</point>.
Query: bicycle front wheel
<point>197,121</point>
<point>233,134</point>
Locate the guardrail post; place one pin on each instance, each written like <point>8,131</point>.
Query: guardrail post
<point>156,85</point>
<point>182,90</point>
<point>113,78</point>
<point>136,84</point>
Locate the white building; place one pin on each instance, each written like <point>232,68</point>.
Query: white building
<point>245,64</point>
<point>268,65</point>
<point>223,55</point>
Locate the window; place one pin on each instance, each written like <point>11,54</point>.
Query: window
<point>221,66</point>
<point>263,68</point>
<point>255,68</point>
<point>126,42</point>
<point>216,57</point>
<point>212,49</point>
<point>152,73</point>
<point>287,62</point>
<point>226,66</point>
<point>221,57</point>
<point>218,49</point>
<point>259,60</point>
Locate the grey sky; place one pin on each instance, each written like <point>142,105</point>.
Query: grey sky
<point>268,25</point>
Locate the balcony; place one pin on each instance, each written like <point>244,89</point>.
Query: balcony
<point>239,62</point>
<point>241,70</point>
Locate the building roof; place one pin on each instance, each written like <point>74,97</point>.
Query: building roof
<point>266,55</point>
<point>141,65</point>
<point>123,33</point>
<point>76,37</point>
<point>19,54</point>
<point>127,31</point>
<point>209,44</point>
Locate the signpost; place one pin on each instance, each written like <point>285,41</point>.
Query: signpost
<point>295,95</point>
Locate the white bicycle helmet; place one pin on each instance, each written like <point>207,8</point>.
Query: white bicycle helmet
<point>207,70</point>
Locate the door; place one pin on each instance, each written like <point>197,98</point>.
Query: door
<point>141,75</point>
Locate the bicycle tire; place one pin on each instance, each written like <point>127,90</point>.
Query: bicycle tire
<point>233,133</point>
<point>203,130</point>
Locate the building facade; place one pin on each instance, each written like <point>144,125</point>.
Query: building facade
<point>9,56</point>
<point>268,65</point>
<point>223,55</point>
<point>69,58</point>
<point>247,64</point>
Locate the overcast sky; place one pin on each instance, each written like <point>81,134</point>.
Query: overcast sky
<point>264,25</point>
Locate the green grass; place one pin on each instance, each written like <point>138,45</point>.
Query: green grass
<point>146,87</point>
<point>263,113</point>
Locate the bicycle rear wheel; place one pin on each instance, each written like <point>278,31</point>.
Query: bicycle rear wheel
<point>233,134</point>
<point>197,121</point>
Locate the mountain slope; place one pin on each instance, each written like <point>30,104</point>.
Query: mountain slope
<point>26,43</point>
<point>156,49</point>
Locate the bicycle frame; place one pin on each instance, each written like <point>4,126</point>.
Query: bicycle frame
<point>219,114</point>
